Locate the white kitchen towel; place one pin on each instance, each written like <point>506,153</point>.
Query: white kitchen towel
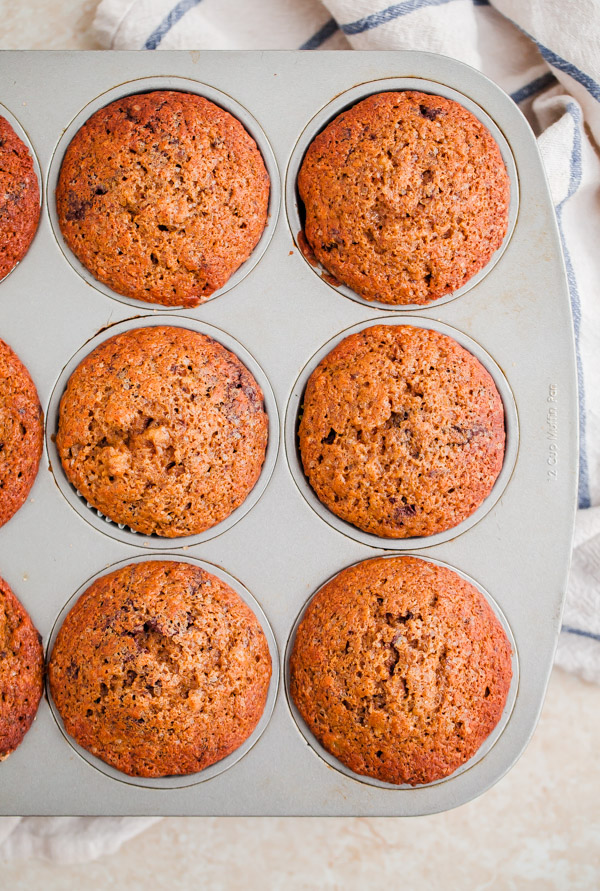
<point>545,54</point>
<point>66,839</point>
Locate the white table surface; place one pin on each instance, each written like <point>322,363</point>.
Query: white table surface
<point>539,828</point>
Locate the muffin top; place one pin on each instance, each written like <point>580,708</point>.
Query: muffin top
<point>162,429</point>
<point>19,198</point>
<point>21,433</point>
<point>400,669</point>
<point>162,196</point>
<point>402,431</point>
<point>160,669</point>
<point>406,197</point>
<point>21,671</point>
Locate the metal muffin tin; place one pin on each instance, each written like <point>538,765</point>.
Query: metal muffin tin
<point>278,313</point>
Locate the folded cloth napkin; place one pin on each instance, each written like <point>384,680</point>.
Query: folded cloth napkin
<point>544,53</point>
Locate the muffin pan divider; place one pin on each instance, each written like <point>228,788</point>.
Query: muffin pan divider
<point>282,312</point>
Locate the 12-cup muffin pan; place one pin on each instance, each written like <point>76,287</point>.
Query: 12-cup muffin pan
<point>281,314</point>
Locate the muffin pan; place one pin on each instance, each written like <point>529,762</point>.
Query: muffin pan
<point>280,316</point>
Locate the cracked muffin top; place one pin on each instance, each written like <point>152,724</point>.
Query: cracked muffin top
<point>162,429</point>
<point>21,671</point>
<point>160,669</point>
<point>402,431</point>
<point>21,433</point>
<point>162,196</point>
<point>400,669</point>
<point>19,198</point>
<point>406,197</point>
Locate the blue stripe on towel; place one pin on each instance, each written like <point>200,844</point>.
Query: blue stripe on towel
<point>574,181</point>
<point>177,13</point>
<point>533,87</point>
<point>323,34</point>
<point>388,15</point>
<point>568,68</point>
<point>568,629</point>
<point>592,86</point>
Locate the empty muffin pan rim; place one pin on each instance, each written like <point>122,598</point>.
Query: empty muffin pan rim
<point>511,426</point>
<point>213,770</point>
<point>122,532</point>
<point>183,85</point>
<point>346,100</point>
<point>487,744</point>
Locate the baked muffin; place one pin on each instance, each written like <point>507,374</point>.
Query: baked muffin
<point>160,669</point>
<point>400,669</point>
<point>162,196</point>
<point>406,197</point>
<point>163,430</point>
<point>19,198</point>
<point>402,431</point>
<point>21,433</point>
<point>21,671</point>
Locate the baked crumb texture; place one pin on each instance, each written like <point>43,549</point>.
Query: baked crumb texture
<point>21,671</point>
<point>402,431</point>
<point>160,669</point>
<point>21,433</point>
<point>19,198</point>
<point>400,669</point>
<point>162,196</point>
<point>406,197</point>
<point>163,430</point>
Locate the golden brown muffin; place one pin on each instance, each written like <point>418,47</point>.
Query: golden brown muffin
<point>400,669</point>
<point>160,669</point>
<point>162,196</point>
<point>21,433</point>
<point>19,198</point>
<point>402,431</point>
<point>406,197</point>
<point>21,671</point>
<point>163,430</point>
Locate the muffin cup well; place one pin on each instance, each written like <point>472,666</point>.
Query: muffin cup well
<point>186,85</point>
<point>349,98</point>
<point>14,123</point>
<point>484,748</point>
<point>123,533</point>
<point>292,420</point>
<point>174,782</point>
